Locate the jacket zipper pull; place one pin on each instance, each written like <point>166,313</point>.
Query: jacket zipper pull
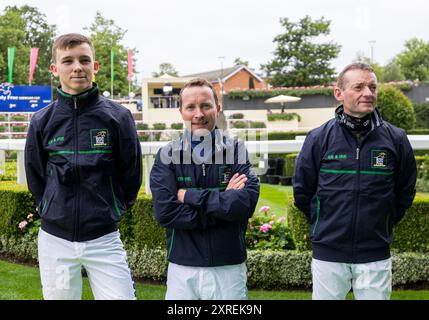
<point>204,169</point>
<point>75,103</point>
<point>357,153</point>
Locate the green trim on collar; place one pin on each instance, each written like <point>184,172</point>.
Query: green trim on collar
<point>83,95</point>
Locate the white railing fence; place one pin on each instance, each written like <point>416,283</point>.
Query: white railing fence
<point>150,149</point>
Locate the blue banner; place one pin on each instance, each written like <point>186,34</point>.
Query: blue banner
<point>24,98</point>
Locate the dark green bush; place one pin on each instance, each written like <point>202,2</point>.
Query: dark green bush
<point>418,131</point>
<point>177,126</point>
<point>288,135</point>
<point>422,115</point>
<point>19,128</point>
<point>283,116</point>
<point>239,124</point>
<point>16,202</point>
<point>237,116</point>
<point>142,126</point>
<point>18,118</point>
<point>290,164</point>
<point>257,124</point>
<point>396,107</point>
<point>410,234</point>
<point>159,126</point>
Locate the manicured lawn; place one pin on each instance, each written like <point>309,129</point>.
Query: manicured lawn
<point>19,282</point>
<point>274,196</point>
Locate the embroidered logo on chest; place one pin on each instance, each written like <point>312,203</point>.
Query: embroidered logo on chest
<point>379,159</point>
<point>100,138</point>
<point>224,174</point>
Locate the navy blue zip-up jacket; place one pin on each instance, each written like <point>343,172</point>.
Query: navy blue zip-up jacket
<point>353,193</point>
<point>83,165</point>
<point>209,228</point>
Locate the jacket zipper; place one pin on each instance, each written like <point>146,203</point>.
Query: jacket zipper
<point>356,201</point>
<point>76,147</point>
<point>210,256</point>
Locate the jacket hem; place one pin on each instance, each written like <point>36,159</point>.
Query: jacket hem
<point>67,235</point>
<point>325,253</point>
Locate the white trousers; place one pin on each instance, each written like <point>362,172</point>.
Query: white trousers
<point>370,281</point>
<point>206,283</point>
<point>104,259</point>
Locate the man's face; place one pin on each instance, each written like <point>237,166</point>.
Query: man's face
<point>359,94</point>
<point>199,110</point>
<point>75,67</point>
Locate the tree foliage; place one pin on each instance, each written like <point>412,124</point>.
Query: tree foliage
<point>414,60</point>
<point>106,36</point>
<point>25,28</point>
<point>165,68</point>
<point>298,60</point>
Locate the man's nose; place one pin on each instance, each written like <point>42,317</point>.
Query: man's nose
<point>77,67</point>
<point>198,113</point>
<point>368,91</point>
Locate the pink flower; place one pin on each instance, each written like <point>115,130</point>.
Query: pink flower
<point>264,209</point>
<point>281,219</point>
<point>272,222</point>
<point>265,228</point>
<point>30,215</point>
<point>22,224</point>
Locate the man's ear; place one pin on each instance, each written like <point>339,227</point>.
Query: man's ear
<point>338,94</point>
<point>96,67</point>
<point>53,69</point>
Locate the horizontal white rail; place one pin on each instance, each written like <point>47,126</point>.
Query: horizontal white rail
<point>150,149</point>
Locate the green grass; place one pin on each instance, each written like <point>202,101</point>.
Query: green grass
<point>19,282</point>
<point>274,196</point>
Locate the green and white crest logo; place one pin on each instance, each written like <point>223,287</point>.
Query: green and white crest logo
<point>379,159</point>
<point>99,138</point>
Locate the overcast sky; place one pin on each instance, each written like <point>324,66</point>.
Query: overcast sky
<point>192,34</point>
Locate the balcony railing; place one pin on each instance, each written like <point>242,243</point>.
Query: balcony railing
<point>167,102</point>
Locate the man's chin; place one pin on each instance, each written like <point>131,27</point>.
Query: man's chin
<point>200,131</point>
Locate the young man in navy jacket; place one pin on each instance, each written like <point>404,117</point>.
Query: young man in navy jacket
<point>204,191</point>
<point>354,178</point>
<point>83,166</point>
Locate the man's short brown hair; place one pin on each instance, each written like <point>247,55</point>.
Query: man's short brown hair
<point>198,82</point>
<point>68,41</point>
<point>341,82</point>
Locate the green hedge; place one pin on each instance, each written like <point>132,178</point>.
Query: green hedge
<point>410,234</point>
<point>418,131</point>
<point>283,116</point>
<point>266,269</point>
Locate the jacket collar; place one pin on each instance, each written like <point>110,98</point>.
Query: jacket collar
<point>82,100</point>
<point>376,119</point>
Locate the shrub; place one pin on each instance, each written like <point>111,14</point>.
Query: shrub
<point>239,124</point>
<point>422,115</point>
<point>3,118</point>
<point>2,128</point>
<point>159,126</point>
<point>410,234</point>
<point>237,116</point>
<point>283,116</point>
<point>289,135</point>
<point>257,124</point>
<point>177,126</point>
<point>396,108</point>
<point>16,202</point>
<point>290,164</point>
<point>267,231</point>
<point>142,126</point>
<point>418,131</point>
<point>18,118</point>
<point>19,128</point>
